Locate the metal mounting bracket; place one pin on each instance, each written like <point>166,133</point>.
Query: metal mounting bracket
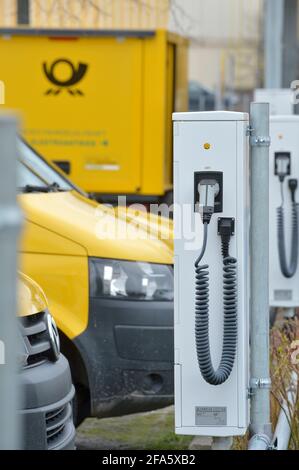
<point>264,383</point>
<point>260,141</point>
<point>257,140</point>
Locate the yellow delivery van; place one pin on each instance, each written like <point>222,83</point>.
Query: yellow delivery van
<point>110,292</point>
<point>99,104</point>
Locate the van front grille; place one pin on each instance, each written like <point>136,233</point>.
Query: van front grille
<point>58,425</point>
<point>34,329</point>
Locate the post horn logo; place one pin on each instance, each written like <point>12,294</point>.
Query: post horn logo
<point>76,75</point>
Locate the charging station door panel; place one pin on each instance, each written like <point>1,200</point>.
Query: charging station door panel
<point>284,133</point>
<point>215,143</point>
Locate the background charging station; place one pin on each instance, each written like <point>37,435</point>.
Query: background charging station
<point>280,99</point>
<point>212,143</point>
<point>284,132</point>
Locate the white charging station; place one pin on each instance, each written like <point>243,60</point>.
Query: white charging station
<point>211,147</point>
<point>283,213</point>
<point>280,99</point>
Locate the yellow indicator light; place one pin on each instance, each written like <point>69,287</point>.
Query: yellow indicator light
<point>207,146</point>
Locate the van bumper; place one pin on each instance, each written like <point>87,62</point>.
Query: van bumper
<point>128,352</point>
<point>46,414</point>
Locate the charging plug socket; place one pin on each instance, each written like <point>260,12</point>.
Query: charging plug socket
<point>208,191</point>
<point>282,165</point>
<point>201,178</point>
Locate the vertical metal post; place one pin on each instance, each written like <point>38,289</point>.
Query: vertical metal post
<point>10,220</point>
<point>290,43</point>
<point>260,374</point>
<point>23,12</point>
<point>273,43</point>
<point>219,84</point>
<point>222,443</point>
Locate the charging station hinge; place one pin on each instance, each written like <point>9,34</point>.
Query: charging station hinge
<point>264,383</point>
<point>249,130</point>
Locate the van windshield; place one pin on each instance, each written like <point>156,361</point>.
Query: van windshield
<point>26,177</point>
<point>39,169</point>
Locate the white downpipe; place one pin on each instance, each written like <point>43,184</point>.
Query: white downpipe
<point>259,442</point>
<point>282,432</point>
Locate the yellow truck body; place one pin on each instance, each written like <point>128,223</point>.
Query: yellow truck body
<point>99,104</point>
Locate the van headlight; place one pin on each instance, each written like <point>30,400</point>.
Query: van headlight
<point>131,280</point>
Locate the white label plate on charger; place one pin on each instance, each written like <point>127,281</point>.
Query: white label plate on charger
<point>210,416</point>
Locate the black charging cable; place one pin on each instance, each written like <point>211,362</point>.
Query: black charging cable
<point>230,309</point>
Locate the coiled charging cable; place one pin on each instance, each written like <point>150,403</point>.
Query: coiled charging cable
<point>288,270</point>
<point>230,308</point>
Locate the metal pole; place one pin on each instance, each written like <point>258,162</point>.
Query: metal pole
<point>23,12</point>
<point>290,43</point>
<point>222,443</point>
<point>259,442</point>
<point>259,347</point>
<point>10,220</point>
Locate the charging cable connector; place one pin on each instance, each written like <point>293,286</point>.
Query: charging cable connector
<point>293,183</point>
<point>282,167</point>
<point>208,190</point>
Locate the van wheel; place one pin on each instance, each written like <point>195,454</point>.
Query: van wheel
<point>80,404</point>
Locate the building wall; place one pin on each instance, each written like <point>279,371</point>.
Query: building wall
<point>223,22</point>
<point>103,14</point>
<point>225,34</point>
<point>7,13</point>
<point>225,41</point>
